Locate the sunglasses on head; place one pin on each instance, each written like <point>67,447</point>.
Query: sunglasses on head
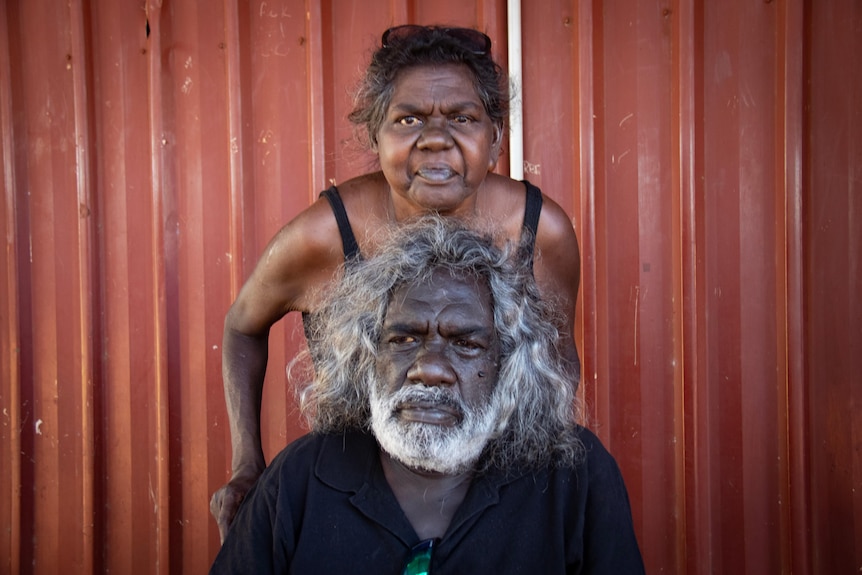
<point>475,41</point>
<point>419,560</point>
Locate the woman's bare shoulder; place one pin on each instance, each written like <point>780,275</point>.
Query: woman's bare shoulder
<point>303,255</point>
<point>555,223</point>
<point>503,185</point>
<point>366,190</point>
<point>367,204</point>
<point>502,202</point>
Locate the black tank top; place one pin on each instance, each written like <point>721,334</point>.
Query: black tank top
<point>532,211</point>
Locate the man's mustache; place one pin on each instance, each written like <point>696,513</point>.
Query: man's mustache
<point>428,397</point>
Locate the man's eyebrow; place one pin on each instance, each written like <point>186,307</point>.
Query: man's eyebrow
<point>402,326</point>
<point>466,104</point>
<point>477,329</point>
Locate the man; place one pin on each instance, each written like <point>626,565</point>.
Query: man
<point>444,436</point>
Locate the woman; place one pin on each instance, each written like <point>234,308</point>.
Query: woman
<point>433,105</point>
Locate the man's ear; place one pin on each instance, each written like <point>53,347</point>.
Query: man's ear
<point>496,144</point>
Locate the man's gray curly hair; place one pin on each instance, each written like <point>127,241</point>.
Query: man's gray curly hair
<point>537,424</point>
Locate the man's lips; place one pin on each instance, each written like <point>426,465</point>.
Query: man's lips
<point>424,412</point>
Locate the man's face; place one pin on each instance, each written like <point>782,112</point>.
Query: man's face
<point>437,364</point>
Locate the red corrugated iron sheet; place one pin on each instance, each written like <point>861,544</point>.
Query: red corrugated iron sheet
<point>709,157</point>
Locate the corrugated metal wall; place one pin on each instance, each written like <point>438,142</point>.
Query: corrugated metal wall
<point>710,155</point>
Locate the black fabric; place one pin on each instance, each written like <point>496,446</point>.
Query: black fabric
<point>532,212</point>
<point>324,506</point>
<point>350,247</point>
<point>348,240</point>
<point>533,209</point>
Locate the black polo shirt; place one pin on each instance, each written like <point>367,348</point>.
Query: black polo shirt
<point>324,506</point>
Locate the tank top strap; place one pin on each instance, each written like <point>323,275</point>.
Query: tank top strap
<point>348,240</point>
<point>532,212</point>
<point>348,245</point>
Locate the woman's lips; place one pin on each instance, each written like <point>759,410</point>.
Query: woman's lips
<point>436,173</point>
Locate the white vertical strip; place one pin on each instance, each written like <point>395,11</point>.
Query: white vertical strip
<point>316,108</point>
<point>516,117</point>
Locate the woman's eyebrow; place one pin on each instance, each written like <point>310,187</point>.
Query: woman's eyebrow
<point>405,107</point>
<point>448,107</point>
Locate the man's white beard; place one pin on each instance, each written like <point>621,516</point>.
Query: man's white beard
<point>448,450</point>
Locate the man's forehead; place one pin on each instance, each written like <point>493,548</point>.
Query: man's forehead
<point>442,291</point>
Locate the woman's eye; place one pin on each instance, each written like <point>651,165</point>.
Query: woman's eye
<point>401,339</point>
<point>409,121</point>
<point>462,119</point>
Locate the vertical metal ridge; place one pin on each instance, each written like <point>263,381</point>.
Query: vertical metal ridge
<point>596,359</point>
<point>698,544</point>
<point>10,377</point>
<point>86,266</point>
<point>159,223</point>
<point>684,161</point>
<point>586,179</point>
<point>792,45</point>
<point>236,143</point>
<point>581,124</point>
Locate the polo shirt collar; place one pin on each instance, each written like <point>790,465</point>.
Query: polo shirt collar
<point>350,462</point>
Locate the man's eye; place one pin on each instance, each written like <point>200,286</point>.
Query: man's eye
<point>468,344</point>
<point>402,339</point>
<point>462,119</point>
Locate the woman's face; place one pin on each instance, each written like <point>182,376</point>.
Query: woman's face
<point>436,143</point>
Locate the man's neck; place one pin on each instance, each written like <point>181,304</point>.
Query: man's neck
<point>428,499</point>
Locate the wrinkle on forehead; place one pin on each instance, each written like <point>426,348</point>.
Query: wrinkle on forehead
<point>448,83</point>
<point>442,293</point>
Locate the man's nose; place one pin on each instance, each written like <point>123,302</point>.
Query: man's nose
<point>431,367</point>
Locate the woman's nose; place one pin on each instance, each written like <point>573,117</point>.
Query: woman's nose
<point>435,135</point>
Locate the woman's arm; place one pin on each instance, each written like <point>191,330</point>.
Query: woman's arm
<point>557,268</point>
<point>298,261</point>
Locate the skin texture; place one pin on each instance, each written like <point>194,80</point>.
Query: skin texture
<point>436,144</point>
<point>436,151</point>
<point>439,333</point>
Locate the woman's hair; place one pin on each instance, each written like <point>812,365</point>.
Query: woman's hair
<point>426,45</point>
<point>539,408</point>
